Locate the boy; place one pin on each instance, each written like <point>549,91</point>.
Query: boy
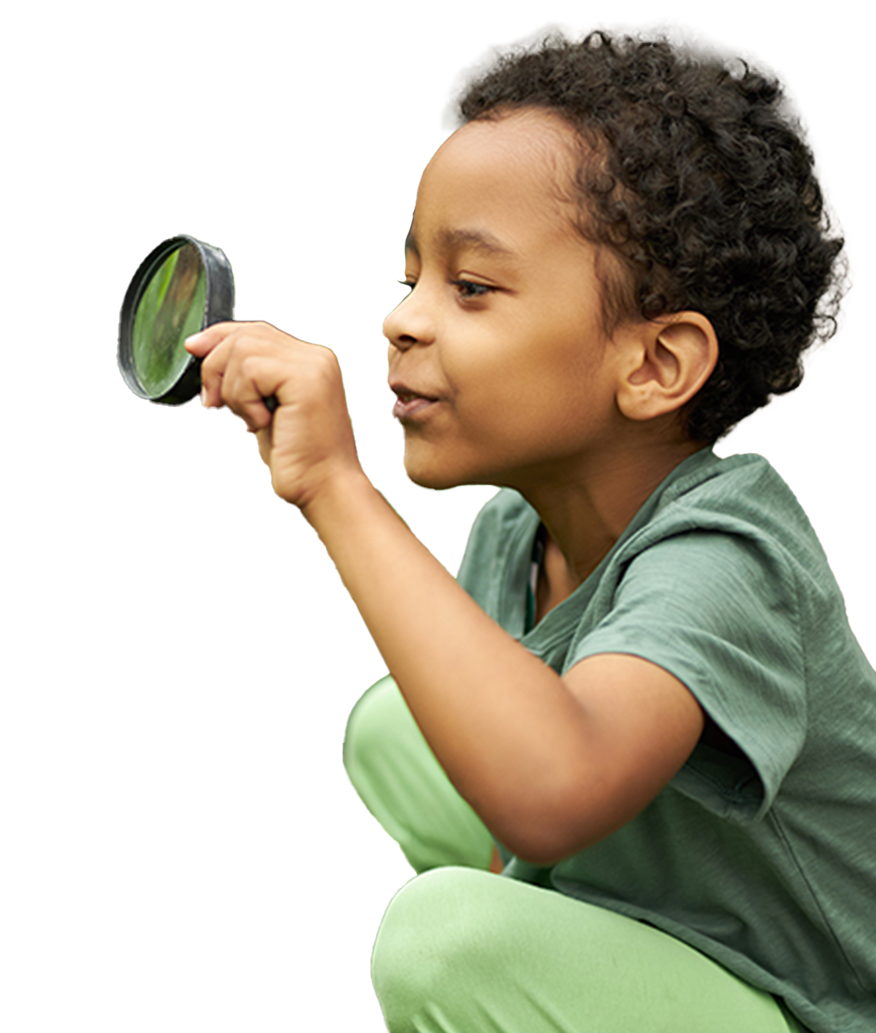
<point>642,683</point>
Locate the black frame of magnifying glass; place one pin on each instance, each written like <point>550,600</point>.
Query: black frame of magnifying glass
<point>218,306</point>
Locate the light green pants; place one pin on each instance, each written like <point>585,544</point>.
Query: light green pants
<point>461,950</point>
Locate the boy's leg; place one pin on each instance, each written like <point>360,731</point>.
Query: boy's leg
<point>405,788</point>
<point>462,950</point>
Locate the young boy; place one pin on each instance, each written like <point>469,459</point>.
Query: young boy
<point>641,698</point>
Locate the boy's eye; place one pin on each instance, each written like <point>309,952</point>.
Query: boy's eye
<point>468,289</point>
<point>404,287</point>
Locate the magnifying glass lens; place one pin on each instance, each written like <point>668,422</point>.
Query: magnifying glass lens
<point>172,308</point>
<point>181,287</point>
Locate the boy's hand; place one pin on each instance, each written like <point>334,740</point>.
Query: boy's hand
<point>308,441</point>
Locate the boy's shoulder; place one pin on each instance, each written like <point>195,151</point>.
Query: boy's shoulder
<point>710,511</point>
<point>741,497</point>
<point>504,512</point>
<point>738,493</point>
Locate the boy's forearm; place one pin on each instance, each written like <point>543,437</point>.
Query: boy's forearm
<point>500,721</point>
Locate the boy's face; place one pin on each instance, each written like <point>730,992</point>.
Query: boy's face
<point>503,371</point>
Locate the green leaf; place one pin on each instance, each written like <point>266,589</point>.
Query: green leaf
<point>171,905</point>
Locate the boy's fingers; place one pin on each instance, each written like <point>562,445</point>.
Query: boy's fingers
<point>202,343</point>
<point>217,346</point>
<point>245,363</point>
<point>245,387</point>
<point>212,374</point>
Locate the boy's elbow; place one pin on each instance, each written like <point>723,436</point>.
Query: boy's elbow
<point>540,853</point>
<point>546,847</point>
<point>545,835</point>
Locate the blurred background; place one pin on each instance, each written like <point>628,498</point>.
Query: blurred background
<point>180,847</point>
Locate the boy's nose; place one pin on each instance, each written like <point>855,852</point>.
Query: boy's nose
<point>408,324</point>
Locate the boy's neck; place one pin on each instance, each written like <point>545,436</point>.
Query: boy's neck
<point>585,516</point>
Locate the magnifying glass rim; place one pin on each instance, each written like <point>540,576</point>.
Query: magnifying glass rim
<point>218,307</point>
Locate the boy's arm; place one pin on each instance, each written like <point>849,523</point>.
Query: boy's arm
<point>550,764</point>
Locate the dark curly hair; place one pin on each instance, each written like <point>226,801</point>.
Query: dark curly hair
<point>695,176</point>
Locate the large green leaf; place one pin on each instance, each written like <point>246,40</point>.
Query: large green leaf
<point>171,905</point>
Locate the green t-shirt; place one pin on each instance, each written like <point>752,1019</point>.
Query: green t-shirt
<point>761,855</point>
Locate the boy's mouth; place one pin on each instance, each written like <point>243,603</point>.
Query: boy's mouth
<point>409,403</point>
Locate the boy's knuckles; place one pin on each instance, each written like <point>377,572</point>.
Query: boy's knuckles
<point>323,367</point>
<point>250,365</point>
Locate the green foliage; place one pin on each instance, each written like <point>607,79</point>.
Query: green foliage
<point>171,905</point>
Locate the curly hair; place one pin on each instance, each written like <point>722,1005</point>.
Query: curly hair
<point>696,178</point>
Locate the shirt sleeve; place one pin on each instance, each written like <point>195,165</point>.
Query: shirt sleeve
<point>497,557</point>
<point>720,613</point>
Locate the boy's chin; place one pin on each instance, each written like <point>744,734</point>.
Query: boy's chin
<point>428,479</point>
<point>432,475</point>
<point>443,483</point>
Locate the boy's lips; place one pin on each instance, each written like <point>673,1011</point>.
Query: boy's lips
<point>410,402</point>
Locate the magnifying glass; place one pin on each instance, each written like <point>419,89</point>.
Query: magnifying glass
<point>183,286</point>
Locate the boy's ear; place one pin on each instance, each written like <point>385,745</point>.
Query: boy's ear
<point>667,362</point>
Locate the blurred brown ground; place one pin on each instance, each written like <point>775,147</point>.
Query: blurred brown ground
<point>822,438</point>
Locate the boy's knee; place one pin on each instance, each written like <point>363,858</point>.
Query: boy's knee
<point>369,727</point>
<point>431,950</point>
<point>399,780</point>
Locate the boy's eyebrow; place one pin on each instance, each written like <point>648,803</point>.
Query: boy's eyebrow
<point>455,240</point>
